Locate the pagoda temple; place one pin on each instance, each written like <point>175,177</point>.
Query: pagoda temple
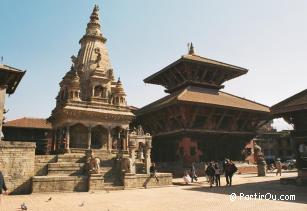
<point>91,110</point>
<point>294,111</point>
<point>197,121</point>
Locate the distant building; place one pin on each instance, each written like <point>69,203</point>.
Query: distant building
<point>29,130</point>
<point>276,145</point>
<point>273,144</point>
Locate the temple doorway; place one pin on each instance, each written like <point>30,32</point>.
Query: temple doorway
<point>99,137</point>
<point>78,136</point>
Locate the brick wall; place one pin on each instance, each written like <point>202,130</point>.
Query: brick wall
<point>17,165</point>
<point>60,184</point>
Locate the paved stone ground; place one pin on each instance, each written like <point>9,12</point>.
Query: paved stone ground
<point>179,197</point>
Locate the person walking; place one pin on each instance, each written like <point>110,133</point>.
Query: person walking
<point>205,174</point>
<point>153,171</point>
<point>217,174</point>
<point>193,173</point>
<point>230,169</point>
<point>186,177</point>
<point>278,166</point>
<point>210,172</point>
<point>3,188</point>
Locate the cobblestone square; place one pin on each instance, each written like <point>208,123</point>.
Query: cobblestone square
<point>197,196</point>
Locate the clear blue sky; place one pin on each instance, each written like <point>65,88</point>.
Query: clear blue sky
<point>268,37</point>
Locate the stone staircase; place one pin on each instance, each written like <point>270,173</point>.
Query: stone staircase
<point>66,168</point>
<point>69,173</point>
<point>71,158</point>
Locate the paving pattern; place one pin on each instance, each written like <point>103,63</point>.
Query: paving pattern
<point>197,196</point>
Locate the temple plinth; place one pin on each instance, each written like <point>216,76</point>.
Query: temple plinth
<point>197,121</point>
<point>91,110</point>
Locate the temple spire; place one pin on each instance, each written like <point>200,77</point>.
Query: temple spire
<point>93,26</point>
<point>191,49</point>
<point>95,15</point>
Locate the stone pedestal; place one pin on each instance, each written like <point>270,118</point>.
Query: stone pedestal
<point>96,182</point>
<point>302,177</point>
<point>132,148</point>
<point>261,166</point>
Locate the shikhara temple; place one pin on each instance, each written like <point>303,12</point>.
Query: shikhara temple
<point>91,110</point>
<point>197,121</point>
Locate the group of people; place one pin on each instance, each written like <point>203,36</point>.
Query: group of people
<point>213,172</point>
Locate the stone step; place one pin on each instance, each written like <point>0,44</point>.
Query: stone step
<point>65,164</point>
<point>77,151</point>
<point>66,168</point>
<point>59,184</point>
<point>103,154</point>
<point>111,187</point>
<point>72,157</point>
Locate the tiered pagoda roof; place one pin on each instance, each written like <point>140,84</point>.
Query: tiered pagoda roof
<point>204,96</point>
<point>297,102</point>
<point>196,79</point>
<point>195,102</point>
<point>192,69</point>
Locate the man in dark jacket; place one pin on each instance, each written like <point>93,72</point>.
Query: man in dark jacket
<point>210,172</point>
<point>230,169</point>
<point>2,184</point>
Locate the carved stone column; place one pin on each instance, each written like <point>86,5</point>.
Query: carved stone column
<point>54,139</point>
<point>148,155</point>
<point>2,100</point>
<point>126,139</point>
<point>92,92</point>
<point>67,138</point>
<point>109,141</point>
<point>132,148</point>
<point>89,138</point>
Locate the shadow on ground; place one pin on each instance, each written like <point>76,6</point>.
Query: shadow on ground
<point>272,187</point>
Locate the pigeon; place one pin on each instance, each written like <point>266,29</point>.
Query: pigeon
<point>82,204</point>
<point>23,206</point>
<point>49,199</point>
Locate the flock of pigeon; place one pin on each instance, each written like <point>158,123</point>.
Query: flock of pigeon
<point>24,207</point>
